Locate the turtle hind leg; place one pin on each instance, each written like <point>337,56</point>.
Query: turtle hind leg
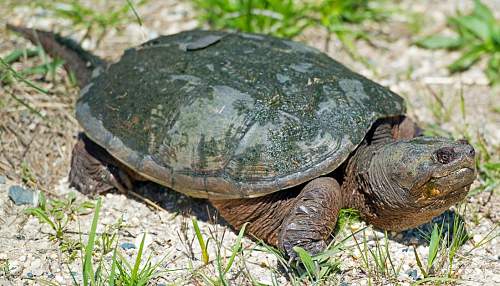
<point>94,171</point>
<point>288,218</point>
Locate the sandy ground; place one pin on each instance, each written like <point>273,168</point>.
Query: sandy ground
<point>37,150</point>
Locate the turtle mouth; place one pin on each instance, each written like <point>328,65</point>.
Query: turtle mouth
<point>452,184</point>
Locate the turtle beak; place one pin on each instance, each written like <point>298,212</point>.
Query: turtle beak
<point>453,157</point>
<point>457,171</point>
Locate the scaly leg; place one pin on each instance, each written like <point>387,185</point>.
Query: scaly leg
<point>94,171</point>
<point>289,218</point>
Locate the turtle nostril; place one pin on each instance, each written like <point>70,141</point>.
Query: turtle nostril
<point>471,152</point>
<point>445,155</point>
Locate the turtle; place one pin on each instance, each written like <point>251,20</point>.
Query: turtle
<point>273,133</point>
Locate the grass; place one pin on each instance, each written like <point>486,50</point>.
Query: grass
<point>376,259</point>
<point>58,214</point>
<point>290,18</point>
<point>321,269</point>
<point>20,77</point>
<point>445,249</point>
<point>221,264</point>
<point>280,18</point>
<point>98,17</point>
<point>96,269</point>
<point>477,36</point>
<point>44,69</point>
<point>8,75</point>
<point>488,166</point>
<point>201,241</point>
<point>121,272</point>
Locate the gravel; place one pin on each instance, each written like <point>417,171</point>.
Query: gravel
<point>170,236</point>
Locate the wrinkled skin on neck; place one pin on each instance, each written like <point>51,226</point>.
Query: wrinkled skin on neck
<point>402,184</point>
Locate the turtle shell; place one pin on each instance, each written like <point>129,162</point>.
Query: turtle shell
<point>230,115</point>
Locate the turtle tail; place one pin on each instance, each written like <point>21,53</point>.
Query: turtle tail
<point>76,60</point>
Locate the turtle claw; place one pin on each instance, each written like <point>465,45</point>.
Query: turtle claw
<point>315,247</point>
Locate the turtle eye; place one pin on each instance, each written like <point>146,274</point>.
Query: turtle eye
<point>445,155</point>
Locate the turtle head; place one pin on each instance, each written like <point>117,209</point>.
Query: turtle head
<point>411,181</point>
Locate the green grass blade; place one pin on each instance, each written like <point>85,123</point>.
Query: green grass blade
<point>21,78</point>
<point>483,12</point>
<point>419,262</point>
<point>124,261</point>
<point>139,20</point>
<point>467,59</point>
<point>236,248</point>
<point>17,54</point>
<point>201,241</point>
<point>42,216</point>
<point>433,245</point>
<point>88,271</point>
<point>474,25</point>
<point>307,260</point>
<point>439,42</point>
<point>493,67</point>
<point>25,104</point>
<point>137,263</point>
<point>111,277</point>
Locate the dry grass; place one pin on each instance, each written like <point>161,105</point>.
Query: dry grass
<point>35,148</point>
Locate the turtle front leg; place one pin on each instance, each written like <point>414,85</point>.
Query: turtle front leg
<point>288,218</point>
<point>94,171</point>
<point>312,217</point>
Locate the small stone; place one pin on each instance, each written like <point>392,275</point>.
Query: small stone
<point>22,196</point>
<point>36,267</point>
<point>127,245</point>
<point>412,273</point>
<point>14,268</point>
<point>3,180</point>
<point>135,221</point>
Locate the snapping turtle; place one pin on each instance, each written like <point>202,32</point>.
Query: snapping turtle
<point>270,131</point>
